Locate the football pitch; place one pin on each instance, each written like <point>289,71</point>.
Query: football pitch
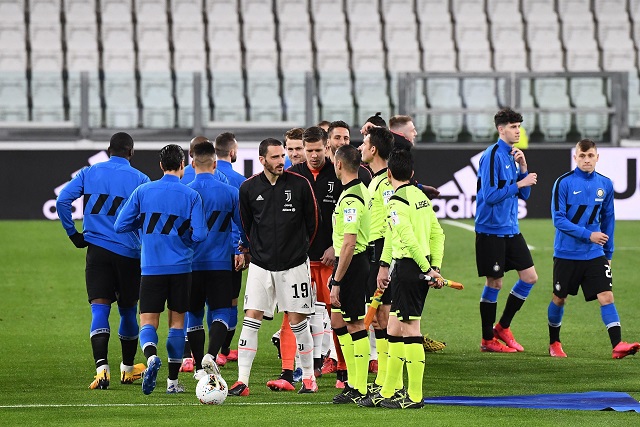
<point>46,363</point>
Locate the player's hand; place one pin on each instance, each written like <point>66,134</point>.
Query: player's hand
<point>383,278</point>
<point>334,297</point>
<point>599,238</point>
<point>435,274</point>
<point>518,156</point>
<point>78,240</point>
<point>366,127</point>
<point>528,181</point>
<point>243,249</point>
<point>328,257</point>
<point>430,192</point>
<point>239,262</point>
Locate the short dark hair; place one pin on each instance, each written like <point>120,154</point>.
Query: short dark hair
<point>323,123</point>
<point>266,143</point>
<point>224,144</point>
<point>506,116</point>
<point>171,157</point>
<point>295,133</point>
<point>204,153</point>
<point>399,120</point>
<point>377,120</point>
<point>120,144</point>
<point>585,144</point>
<point>382,139</point>
<point>350,157</point>
<point>338,124</point>
<point>314,134</point>
<point>401,164</point>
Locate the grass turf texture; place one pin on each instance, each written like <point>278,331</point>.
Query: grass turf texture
<point>46,363</point>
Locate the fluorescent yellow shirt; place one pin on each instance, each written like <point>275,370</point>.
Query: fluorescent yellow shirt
<point>380,190</point>
<point>351,216</point>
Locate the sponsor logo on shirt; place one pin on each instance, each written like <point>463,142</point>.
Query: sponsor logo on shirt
<point>350,215</point>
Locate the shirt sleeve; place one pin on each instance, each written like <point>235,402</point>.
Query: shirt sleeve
<point>608,221</point>
<point>436,240</point>
<point>128,218</point>
<point>73,190</point>
<point>237,232</point>
<point>523,192</point>
<point>198,220</point>
<point>245,211</point>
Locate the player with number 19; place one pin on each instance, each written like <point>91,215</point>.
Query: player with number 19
<point>583,215</point>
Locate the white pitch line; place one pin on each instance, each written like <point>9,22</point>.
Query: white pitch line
<point>100,405</point>
<point>471,228</point>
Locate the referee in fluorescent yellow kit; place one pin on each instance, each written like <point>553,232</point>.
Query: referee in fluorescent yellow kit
<point>415,241</point>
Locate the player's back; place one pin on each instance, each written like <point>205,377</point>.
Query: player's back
<point>380,191</point>
<point>221,206</point>
<point>235,178</point>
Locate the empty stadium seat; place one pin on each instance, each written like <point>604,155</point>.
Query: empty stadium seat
<point>148,11</point>
<point>444,93</point>
<point>335,97</point>
<point>398,11</point>
<point>439,60</point>
<point>634,99</point>
<point>44,10</point>
<point>371,95</point>
<point>510,60</point>
<point>611,10</point>
<point>47,97</point>
<point>74,93</point>
<point>480,93</point>
<point>156,95</point>
<point>291,8</point>
<point>552,93</point>
<point>185,98</point>
<point>474,60</point>
<point>538,10</point>
<point>115,10</point>
<point>185,10</point>
<point>401,36</point>
<point>589,92</point>
<point>526,101</point>
<point>10,10</point>
<point>336,60</point>
<point>13,96</point>
<point>497,9</point>
<point>467,10</point>
<point>265,104</point>
<point>76,11</point>
<point>13,60</point>
<point>228,97</point>
<point>294,97</point>
<point>428,10</point>
<point>325,8</point>
<point>574,10</point>
<point>121,101</point>
<point>363,60</point>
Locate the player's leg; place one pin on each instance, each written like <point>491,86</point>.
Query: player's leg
<point>219,294</point>
<point>194,321</point>
<point>287,354</point>
<point>177,305</point>
<point>563,282</point>
<point>382,344</point>
<point>395,362</point>
<point>153,295</point>
<point>232,355</point>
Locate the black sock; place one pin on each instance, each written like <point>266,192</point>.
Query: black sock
<point>317,363</point>
<point>615,335</point>
<point>150,350</point>
<point>510,309</point>
<point>186,353</point>
<point>217,336</point>
<point>488,318</point>
<point>287,374</point>
<point>226,345</point>
<point>100,347</point>
<point>341,375</point>
<point>129,348</point>
<point>554,334</point>
<point>174,368</point>
<point>196,343</point>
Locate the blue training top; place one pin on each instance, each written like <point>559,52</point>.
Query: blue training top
<point>235,179</point>
<point>190,175</point>
<point>498,193</point>
<point>221,206</point>
<point>105,186</point>
<point>582,203</point>
<point>171,218</point>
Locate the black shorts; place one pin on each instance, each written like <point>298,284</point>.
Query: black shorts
<point>112,276</point>
<point>236,283</point>
<point>408,291</point>
<point>353,288</point>
<point>374,251</point>
<point>496,255</point>
<point>593,275</point>
<point>212,286</point>
<point>174,289</point>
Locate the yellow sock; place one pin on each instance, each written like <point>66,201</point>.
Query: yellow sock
<point>415,367</point>
<point>346,345</point>
<point>361,351</point>
<point>399,384</point>
<point>394,366</point>
<point>382,346</point>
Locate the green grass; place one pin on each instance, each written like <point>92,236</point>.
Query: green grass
<point>45,355</point>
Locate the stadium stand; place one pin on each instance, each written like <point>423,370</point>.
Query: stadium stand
<point>252,56</point>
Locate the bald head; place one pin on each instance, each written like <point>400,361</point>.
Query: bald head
<point>197,140</point>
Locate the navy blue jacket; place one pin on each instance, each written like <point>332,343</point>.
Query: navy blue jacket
<point>582,203</point>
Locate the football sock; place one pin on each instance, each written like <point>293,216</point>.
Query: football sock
<point>317,329</point>
<point>346,345</point>
<point>373,354</point>
<point>611,320</point>
<point>247,347</point>
<point>327,338</point>
<point>233,322</point>
<point>415,367</point>
<point>488,304</point>
<point>383,354</point>
<point>305,347</point>
<point>287,374</point>
<point>341,365</point>
<point>394,366</point>
<point>554,315</point>
<point>175,345</point>
<point>100,333</point>
<point>361,350</point>
<point>287,344</point>
<point>148,340</point>
<point>195,337</point>
<point>400,352</point>
<point>217,334</point>
<point>517,296</point>
<point>128,333</point>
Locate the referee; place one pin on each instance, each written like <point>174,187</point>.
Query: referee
<point>113,261</point>
<point>170,218</point>
<point>348,285</point>
<point>415,241</point>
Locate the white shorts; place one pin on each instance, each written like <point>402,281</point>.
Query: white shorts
<point>290,289</point>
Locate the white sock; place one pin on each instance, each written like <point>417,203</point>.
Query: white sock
<point>305,347</point>
<point>100,369</point>
<point>372,343</point>
<point>317,329</point>
<point>247,347</point>
<point>327,338</point>
<point>332,345</point>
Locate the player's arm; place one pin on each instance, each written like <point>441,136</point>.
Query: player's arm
<point>198,220</point>
<point>608,221</point>
<point>490,178</point>
<point>72,191</point>
<point>559,213</point>
<point>237,232</point>
<point>436,240</point>
<point>246,216</point>
<point>129,217</point>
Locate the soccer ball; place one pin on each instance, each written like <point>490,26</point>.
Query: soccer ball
<point>212,389</point>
